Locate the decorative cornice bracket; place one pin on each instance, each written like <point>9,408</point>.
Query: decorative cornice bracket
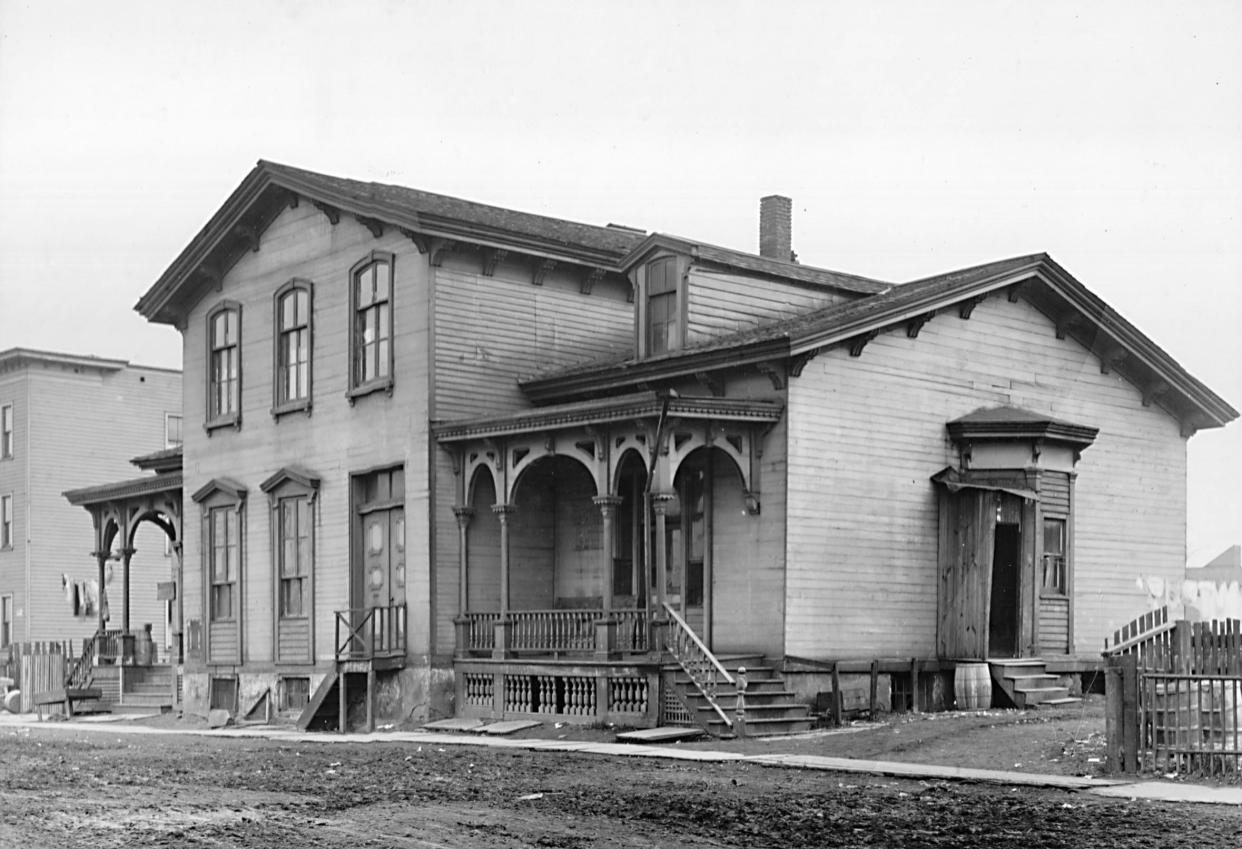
<point>861,341</point>
<point>373,224</point>
<point>798,362</point>
<point>968,306</point>
<point>914,325</point>
<point>423,243</point>
<point>588,282</point>
<point>331,212</point>
<point>437,255</point>
<point>492,257</point>
<point>774,373</point>
<point>710,382</point>
<point>542,268</point>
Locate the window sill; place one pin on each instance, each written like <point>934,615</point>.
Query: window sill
<point>232,420</point>
<point>383,385</point>
<point>1051,596</point>
<point>301,406</point>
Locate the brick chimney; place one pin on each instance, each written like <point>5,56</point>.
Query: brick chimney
<point>776,227</point>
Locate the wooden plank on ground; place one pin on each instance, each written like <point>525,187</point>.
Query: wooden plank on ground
<point>454,724</point>
<point>664,734</point>
<point>509,726</point>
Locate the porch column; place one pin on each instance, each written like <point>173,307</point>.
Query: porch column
<point>126,554</point>
<point>501,647</point>
<point>608,505</point>
<point>464,515</point>
<point>101,558</point>
<point>658,618</point>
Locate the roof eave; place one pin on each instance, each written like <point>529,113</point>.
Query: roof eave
<point>614,377</point>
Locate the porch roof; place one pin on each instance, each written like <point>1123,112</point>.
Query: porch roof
<point>146,485</point>
<point>600,411</point>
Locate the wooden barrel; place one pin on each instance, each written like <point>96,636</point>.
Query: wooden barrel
<point>972,686</point>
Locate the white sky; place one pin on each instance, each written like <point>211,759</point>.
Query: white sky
<point>914,138</point>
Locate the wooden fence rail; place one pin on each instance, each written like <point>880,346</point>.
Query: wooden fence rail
<point>1174,695</point>
<point>34,667</point>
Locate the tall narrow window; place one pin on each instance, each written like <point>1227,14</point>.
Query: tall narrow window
<point>6,620</point>
<point>224,562</point>
<point>371,330</point>
<point>293,347</point>
<point>294,556</point>
<point>663,319</point>
<point>6,431</point>
<point>224,365</point>
<point>1056,572</point>
<point>6,521</point>
<point>172,430</point>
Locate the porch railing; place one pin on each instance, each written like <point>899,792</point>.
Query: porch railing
<point>558,632</point>
<point>370,632</point>
<point>78,669</point>
<point>697,661</point>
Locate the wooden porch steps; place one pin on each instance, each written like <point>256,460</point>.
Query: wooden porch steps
<point>770,708</point>
<point>1027,684</point>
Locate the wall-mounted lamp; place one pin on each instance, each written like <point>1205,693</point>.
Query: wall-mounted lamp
<point>752,504</point>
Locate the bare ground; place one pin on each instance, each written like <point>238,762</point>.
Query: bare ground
<point>71,788</point>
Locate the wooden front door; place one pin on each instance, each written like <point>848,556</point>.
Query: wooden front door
<point>383,559</point>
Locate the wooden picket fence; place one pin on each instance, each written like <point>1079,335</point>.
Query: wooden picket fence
<point>1174,692</point>
<point>35,667</point>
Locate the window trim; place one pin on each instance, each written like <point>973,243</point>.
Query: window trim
<point>7,615</point>
<point>281,406</point>
<point>168,417</point>
<point>6,522</point>
<point>358,387</point>
<point>6,432</point>
<point>222,493</point>
<point>232,418</point>
<point>288,483</point>
<point>209,547</point>
<point>1047,590</point>
<point>643,330</point>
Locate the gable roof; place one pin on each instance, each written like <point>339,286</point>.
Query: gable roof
<point>270,187</point>
<point>1037,278</point>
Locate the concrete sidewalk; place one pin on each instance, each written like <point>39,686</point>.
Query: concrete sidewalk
<point>1162,791</point>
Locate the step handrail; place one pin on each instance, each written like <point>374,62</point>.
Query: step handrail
<point>697,661</point>
<point>78,669</point>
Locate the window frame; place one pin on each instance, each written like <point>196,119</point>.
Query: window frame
<point>6,432</point>
<point>213,419</point>
<point>232,558</point>
<point>6,522</point>
<point>222,493</point>
<point>168,418</point>
<point>359,385</point>
<point>1054,566</point>
<point>304,531</point>
<point>282,403</point>
<point>6,620</point>
<point>674,323</point>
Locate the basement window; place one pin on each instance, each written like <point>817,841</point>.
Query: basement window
<point>294,693</point>
<point>224,694</point>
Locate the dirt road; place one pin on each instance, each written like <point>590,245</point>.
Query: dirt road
<point>60,788</point>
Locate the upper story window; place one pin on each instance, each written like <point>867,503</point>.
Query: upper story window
<point>6,521</point>
<point>370,336</point>
<point>172,430</point>
<point>224,365</point>
<point>292,333</point>
<point>663,317</point>
<point>6,431</point>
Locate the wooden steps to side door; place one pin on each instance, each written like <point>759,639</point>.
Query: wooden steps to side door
<point>1027,684</point>
<point>770,708</point>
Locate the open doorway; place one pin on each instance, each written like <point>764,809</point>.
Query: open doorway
<point>1006,582</point>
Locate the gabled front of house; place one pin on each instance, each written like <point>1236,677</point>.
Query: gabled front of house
<point>503,465</point>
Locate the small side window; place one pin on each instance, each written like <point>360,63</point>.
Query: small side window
<point>1056,571</point>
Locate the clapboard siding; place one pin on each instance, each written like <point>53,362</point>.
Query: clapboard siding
<point>719,303</point>
<point>868,432</point>
<point>1054,494</point>
<point>579,535</point>
<point>14,391</point>
<point>491,331</point>
<point>84,426</point>
<point>293,641</point>
<point>1053,625</point>
<point>222,643</point>
<point>336,440</point>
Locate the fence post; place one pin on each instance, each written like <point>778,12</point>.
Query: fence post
<point>1114,717</point>
<point>1182,647</point>
<point>1129,712</point>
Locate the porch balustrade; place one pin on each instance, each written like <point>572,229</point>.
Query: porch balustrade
<point>370,632</point>
<point>553,632</point>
